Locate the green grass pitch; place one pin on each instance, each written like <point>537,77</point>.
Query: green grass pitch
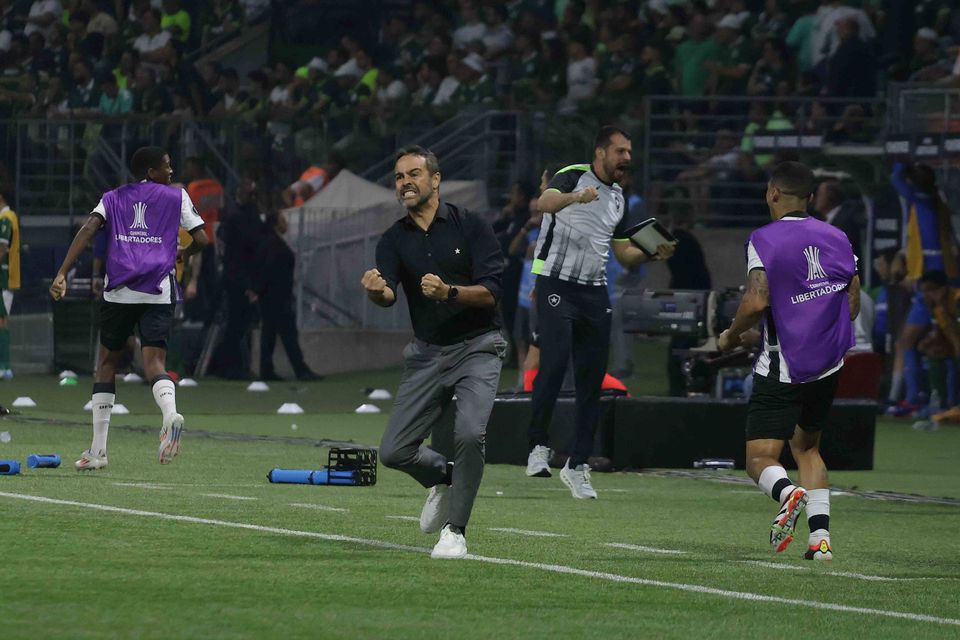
<point>207,548</point>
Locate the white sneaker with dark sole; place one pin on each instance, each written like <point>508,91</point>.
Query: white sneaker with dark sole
<point>170,438</point>
<point>451,546</point>
<point>538,462</point>
<point>435,509</point>
<point>91,462</point>
<point>578,481</point>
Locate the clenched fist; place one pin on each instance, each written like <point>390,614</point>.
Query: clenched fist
<point>588,194</point>
<point>373,282</point>
<point>433,287</point>
<point>59,287</point>
<point>728,342</point>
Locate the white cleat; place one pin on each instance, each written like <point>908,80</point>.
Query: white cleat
<point>170,438</point>
<point>435,509</point>
<point>538,462</point>
<point>578,481</point>
<point>451,546</point>
<point>90,462</point>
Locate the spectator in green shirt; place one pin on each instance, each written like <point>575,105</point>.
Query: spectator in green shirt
<point>175,20</point>
<point>692,54</point>
<point>114,101</point>
<point>731,67</point>
<point>84,98</point>
<point>800,39</point>
<point>126,69</point>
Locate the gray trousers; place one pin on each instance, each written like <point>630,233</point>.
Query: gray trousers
<point>431,376</point>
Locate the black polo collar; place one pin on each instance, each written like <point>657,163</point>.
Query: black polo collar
<point>442,213</point>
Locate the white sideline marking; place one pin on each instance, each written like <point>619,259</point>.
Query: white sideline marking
<point>142,485</point>
<point>601,490</point>
<point>840,574</point>
<point>318,507</point>
<point>407,518</point>
<point>553,568</point>
<point>525,532</point>
<point>227,496</point>
<point>638,547</point>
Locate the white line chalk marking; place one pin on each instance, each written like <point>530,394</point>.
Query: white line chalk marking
<point>406,518</point>
<point>318,507</point>
<point>638,547</point>
<point>839,574</point>
<point>143,485</point>
<point>525,532</point>
<point>227,496</point>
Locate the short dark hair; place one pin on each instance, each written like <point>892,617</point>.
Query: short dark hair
<point>923,177</point>
<point>888,254</point>
<point>433,165</point>
<point>605,135</point>
<point>834,191</point>
<point>144,159</point>
<point>793,179</point>
<point>937,277</point>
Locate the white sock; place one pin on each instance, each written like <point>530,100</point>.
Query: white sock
<point>775,477</point>
<point>165,394</point>
<point>102,406</point>
<point>818,504</point>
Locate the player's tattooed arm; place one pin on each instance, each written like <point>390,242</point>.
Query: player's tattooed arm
<point>853,297</point>
<point>758,290</point>
<point>755,300</point>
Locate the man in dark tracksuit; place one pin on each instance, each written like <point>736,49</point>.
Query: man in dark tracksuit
<point>274,287</point>
<point>449,264</point>
<point>583,211</point>
<point>240,232</point>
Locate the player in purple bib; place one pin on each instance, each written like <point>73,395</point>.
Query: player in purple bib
<point>803,286</point>
<point>142,221</point>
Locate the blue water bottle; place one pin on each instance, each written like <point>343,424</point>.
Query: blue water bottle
<point>9,467</point>
<point>290,476</point>
<point>43,460</point>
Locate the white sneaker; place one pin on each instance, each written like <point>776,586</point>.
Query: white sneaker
<point>170,438</point>
<point>7,374</point>
<point>90,462</point>
<point>538,462</point>
<point>578,481</point>
<point>451,546</point>
<point>435,509</point>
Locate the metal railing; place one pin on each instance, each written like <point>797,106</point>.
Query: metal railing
<point>707,157</point>
<point>474,143</point>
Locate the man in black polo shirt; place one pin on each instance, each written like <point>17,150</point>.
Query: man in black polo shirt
<point>449,263</point>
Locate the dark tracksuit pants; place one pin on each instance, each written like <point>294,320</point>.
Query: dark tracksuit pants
<point>573,319</point>
<point>278,318</point>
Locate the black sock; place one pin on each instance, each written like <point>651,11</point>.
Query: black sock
<point>821,521</point>
<point>448,479</point>
<point>778,488</point>
<point>104,387</point>
<point>457,529</point>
